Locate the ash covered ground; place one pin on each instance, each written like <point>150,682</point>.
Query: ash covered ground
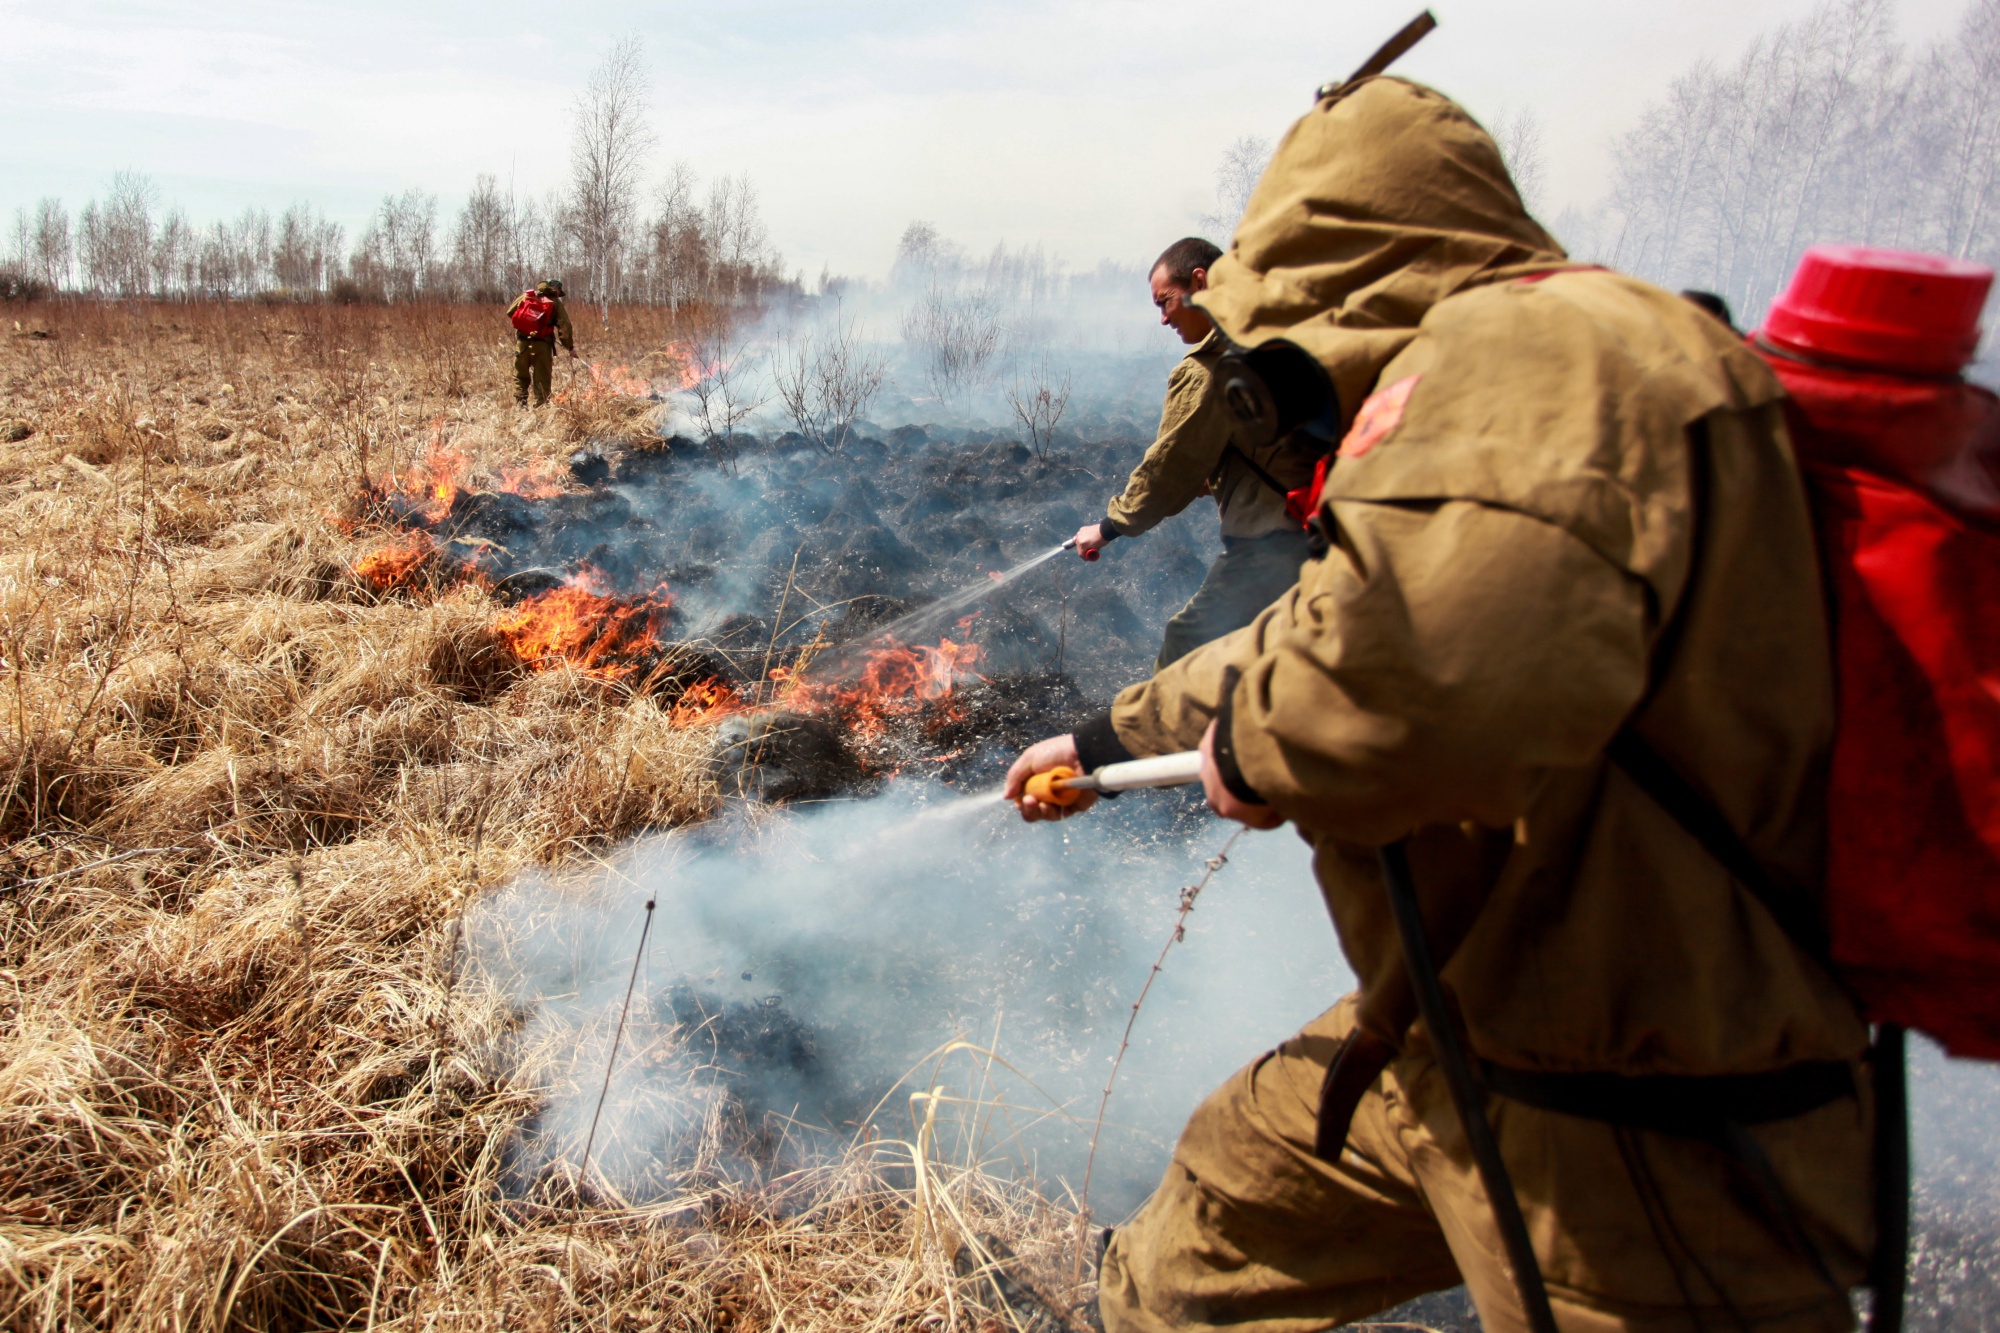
<point>768,554</point>
<point>886,525</point>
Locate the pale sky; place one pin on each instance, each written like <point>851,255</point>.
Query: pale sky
<point>1093,129</point>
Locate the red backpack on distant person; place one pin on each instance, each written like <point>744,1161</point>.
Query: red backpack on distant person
<point>535,314</point>
<point>1901,458</point>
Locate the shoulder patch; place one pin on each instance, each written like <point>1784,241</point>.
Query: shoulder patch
<point>1380,414</point>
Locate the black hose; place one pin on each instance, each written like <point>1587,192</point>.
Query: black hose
<point>1890,1277</point>
<point>1402,890</point>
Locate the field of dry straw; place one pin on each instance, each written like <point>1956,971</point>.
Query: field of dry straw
<point>245,799</point>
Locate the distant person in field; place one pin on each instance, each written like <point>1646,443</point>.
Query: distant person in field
<point>1194,455</point>
<point>539,319</point>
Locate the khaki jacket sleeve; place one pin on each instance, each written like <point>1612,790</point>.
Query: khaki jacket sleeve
<point>1194,430</point>
<point>1431,668</point>
<point>564,333</point>
<point>516,306</point>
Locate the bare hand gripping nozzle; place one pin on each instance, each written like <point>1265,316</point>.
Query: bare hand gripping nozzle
<point>1063,785</point>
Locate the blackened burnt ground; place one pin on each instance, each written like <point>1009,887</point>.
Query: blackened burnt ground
<point>772,550</point>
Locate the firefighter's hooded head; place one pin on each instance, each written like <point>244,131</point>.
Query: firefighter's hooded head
<point>1380,202</point>
<point>549,287</point>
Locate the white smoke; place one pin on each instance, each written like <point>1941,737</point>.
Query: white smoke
<point>807,960</point>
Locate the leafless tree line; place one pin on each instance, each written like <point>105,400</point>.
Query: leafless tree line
<point>596,235</point>
<point>126,246</point>
<point>966,318</point>
<point>1826,129</point>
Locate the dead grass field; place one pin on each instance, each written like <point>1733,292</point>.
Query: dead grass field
<point>245,799</point>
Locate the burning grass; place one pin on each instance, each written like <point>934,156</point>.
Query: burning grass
<point>259,756</point>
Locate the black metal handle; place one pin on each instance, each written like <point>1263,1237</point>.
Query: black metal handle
<point>1402,890</point>
<point>1891,1276</point>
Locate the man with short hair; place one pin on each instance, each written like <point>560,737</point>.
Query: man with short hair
<point>1193,455</point>
<point>535,334</point>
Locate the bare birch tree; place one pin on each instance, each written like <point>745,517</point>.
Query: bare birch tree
<point>607,156</point>
<point>397,256</point>
<point>305,254</point>
<point>479,242</point>
<point>1242,166</point>
<point>175,250</point>
<point>741,245</point>
<point>49,250</point>
<point>115,239</point>
<point>677,258</point>
<point>1961,88</point>
<point>1519,135</point>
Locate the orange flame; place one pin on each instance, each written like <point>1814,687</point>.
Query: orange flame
<point>619,380</point>
<point>689,367</point>
<point>436,481</point>
<point>614,381</point>
<point>399,564</point>
<point>532,481</point>
<point>896,681</point>
<point>587,625</point>
<point>432,484</point>
<point>705,701</point>
<point>605,636</point>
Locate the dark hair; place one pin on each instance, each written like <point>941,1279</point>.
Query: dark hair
<point>1184,256</point>
<point>1713,304</point>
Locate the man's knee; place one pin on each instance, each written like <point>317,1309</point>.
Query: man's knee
<point>1248,1227</point>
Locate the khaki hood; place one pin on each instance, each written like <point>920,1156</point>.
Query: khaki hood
<point>1383,200</point>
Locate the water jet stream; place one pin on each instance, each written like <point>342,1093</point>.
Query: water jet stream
<point>921,620</point>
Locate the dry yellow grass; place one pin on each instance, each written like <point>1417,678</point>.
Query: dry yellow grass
<point>245,800</point>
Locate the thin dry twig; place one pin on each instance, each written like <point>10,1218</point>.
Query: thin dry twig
<point>1189,895</point>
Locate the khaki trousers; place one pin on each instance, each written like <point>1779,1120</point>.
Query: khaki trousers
<point>534,362</point>
<point>1249,1231</point>
<point>1249,575</point>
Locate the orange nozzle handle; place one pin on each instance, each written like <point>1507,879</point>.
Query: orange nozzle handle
<point>1043,787</point>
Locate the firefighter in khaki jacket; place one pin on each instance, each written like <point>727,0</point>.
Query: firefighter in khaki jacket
<point>1193,455</point>
<point>539,320</point>
<point>1516,567</point>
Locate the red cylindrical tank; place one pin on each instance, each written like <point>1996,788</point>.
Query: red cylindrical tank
<point>1899,455</point>
<point>1870,344</point>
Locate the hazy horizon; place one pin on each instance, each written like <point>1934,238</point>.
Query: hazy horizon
<point>1093,130</point>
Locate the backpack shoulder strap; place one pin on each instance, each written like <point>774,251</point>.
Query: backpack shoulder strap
<point>1794,911</point>
<point>1231,450</point>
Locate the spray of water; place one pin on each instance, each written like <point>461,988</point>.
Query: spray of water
<point>934,616</point>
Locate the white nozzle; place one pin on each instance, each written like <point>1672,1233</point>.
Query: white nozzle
<point>1165,770</point>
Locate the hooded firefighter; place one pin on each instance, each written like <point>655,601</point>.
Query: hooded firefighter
<point>1563,508</point>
